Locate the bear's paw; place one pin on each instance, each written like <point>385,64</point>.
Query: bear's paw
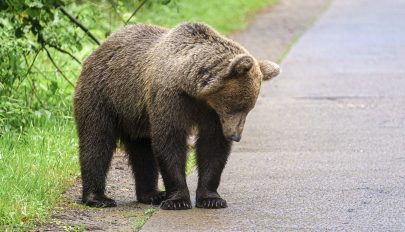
<point>176,204</point>
<point>155,198</point>
<point>99,201</point>
<point>211,203</point>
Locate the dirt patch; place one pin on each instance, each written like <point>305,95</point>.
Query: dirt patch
<point>276,28</point>
<point>71,216</point>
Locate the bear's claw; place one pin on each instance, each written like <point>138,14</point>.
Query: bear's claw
<point>99,201</point>
<point>211,203</point>
<point>176,204</point>
<point>154,199</point>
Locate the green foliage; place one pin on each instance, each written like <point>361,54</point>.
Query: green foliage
<point>27,29</point>
<point>29,16</point>
<point>226,15</point>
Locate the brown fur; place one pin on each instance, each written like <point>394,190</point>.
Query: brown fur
<point>149,86</point>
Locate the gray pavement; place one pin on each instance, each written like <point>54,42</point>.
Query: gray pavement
<point>324,149</point>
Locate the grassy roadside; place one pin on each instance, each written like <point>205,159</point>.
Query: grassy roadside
<point>35,167</point>
<point>38,164</point>
<point>225,16</point>
<point>296,38</point>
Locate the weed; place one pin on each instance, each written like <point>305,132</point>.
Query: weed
<point>141,220</point>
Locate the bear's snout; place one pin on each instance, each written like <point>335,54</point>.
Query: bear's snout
<point>233,126</point>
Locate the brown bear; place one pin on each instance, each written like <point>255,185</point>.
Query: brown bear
<point>149,87</point>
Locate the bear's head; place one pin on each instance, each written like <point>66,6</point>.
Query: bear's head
<point>233,92</point>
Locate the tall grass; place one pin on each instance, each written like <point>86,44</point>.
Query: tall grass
<point>35,167</point>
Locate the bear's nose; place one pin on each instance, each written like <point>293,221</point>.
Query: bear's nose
<point>235,138</point>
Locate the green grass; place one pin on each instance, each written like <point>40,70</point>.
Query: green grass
<point>191,162</point>
<point>35,168</point>
<point>38,163</point>
<point>226,16</point>
<point>142,219</point>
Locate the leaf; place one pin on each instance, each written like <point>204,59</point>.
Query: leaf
<point>36,4</point>
<point>165,2</point>
<point>53,87</point>
<point>114,5</point>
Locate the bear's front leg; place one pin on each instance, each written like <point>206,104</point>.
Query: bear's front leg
<point>170,150</point>
<point>212,153</point>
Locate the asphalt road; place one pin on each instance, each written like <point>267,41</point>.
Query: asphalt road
<point>324,149</point>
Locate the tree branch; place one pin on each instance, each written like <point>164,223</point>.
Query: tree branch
<point>33,61</point>
<point>56,66</point>
<point>29,68</point>
<point>64,51</point>
<point>34,91</point>
<point>75,21</point>
<point>116,10</point>
<point>136,11</point>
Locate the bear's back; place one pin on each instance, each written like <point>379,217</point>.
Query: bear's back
<point>127,46</point>
<point>113,74</point>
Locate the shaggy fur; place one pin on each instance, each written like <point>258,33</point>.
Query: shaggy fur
<point>149,86</point>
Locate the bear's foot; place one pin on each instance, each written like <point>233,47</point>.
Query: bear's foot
<point>176,204</point>
<point>98,201</point>
<point>154,198</point>
<point>211,203</point>
<point>178,200</point>
<point>209,200</point>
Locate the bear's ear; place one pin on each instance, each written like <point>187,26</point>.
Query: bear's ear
<point>240,64</point>
<point>269,69</point>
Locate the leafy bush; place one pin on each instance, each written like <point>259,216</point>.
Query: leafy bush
<point>30,30</point>
<point>41,51</point>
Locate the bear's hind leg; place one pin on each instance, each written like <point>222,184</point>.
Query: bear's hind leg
<point>212,154</point>
<point>145,171</point>
<point>97,143</point>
